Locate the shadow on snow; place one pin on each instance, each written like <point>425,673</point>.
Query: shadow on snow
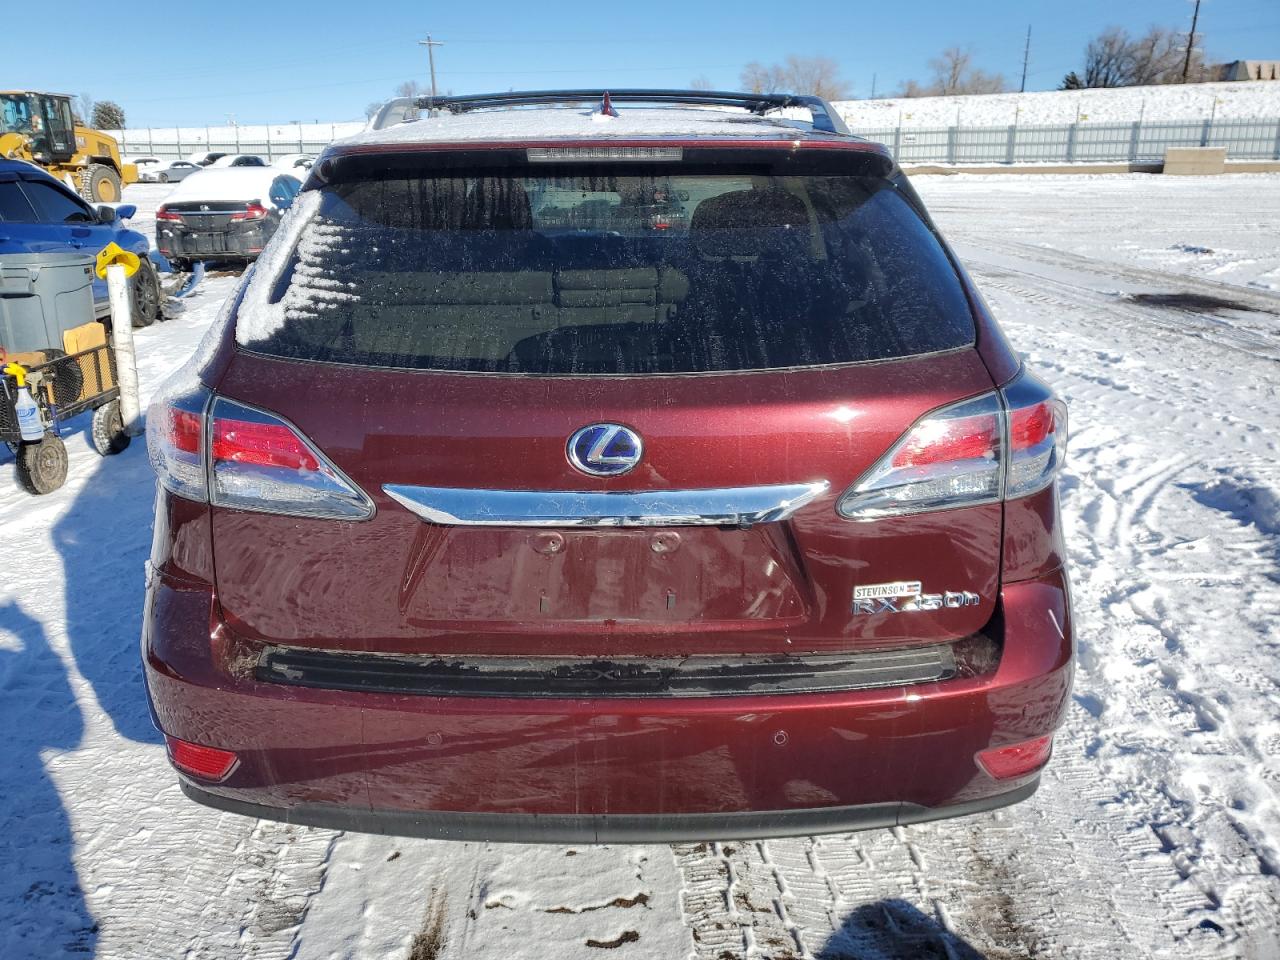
<point>894,930</point>
<point>39,888</point>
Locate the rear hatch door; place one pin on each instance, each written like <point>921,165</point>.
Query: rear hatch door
<point>446,332</point>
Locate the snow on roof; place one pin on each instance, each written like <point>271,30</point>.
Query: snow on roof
<point>579,122</point>
<point>227,184</point>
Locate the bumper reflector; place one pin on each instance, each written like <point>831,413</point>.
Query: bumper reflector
<point>207,763</point>
<point>1016,759</point>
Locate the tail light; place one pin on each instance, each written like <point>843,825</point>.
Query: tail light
<point>175,443</point>
<point>207,763</point>
<point>254,211</point>
<point>163,213</point>
<point>211,449</point>
<point>1005,444</point>
<point>1037,436</point>
<point>1016,759</point>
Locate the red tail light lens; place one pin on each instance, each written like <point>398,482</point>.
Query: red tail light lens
<point>1016,759</point>
<point>175,442</point>
<point>163,213</point>
<point>1037,436</point>
<point>263,444</point>
<point>951,458</point>
<point>215,450</point>
<point>1004,444</point>
<point>207,763</point>
<point>949,439</point>
<point>261,462</point>
<point>255,211</point>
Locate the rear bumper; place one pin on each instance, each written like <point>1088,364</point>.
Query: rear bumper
<point>586,769</point>
<point>238,241</point>
<point>610,828</point>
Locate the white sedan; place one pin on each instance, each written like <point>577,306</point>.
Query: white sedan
<point>296,164</point>
<point>173,173</point>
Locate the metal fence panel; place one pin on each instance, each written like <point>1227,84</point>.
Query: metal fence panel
<point>1137,142</point>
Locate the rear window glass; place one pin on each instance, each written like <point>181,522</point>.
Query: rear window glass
<point>600,272</point>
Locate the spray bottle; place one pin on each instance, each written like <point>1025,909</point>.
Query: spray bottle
<point>29,425</point>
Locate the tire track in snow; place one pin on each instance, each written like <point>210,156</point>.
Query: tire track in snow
<point>1187,767</point>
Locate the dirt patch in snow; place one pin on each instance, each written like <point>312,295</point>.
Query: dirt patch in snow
<point>639,900</point>
<point>627,936</point>
<point>1194,302</point>
<point>428,944</point>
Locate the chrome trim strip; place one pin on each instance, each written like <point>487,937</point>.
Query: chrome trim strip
<point>722,506</point>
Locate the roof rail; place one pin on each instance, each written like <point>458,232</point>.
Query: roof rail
<point>824,116</point>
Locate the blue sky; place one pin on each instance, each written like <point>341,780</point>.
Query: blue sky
<point>201,62</point>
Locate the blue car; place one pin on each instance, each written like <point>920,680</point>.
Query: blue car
<point>40,214</point>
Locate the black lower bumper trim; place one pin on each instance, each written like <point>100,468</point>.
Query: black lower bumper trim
<point>609,828</point>
<point>691,676</point>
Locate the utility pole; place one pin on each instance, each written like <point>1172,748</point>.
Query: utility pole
<point>1026,55</point>
<point>431,57</point>
<point>873,86</point>
<point>1191,42</point>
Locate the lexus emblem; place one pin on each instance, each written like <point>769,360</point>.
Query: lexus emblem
<point>605,449</point>
<point>204,207</point>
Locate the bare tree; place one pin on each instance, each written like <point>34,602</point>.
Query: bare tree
<point>819,76</point>
<point>700,82</point>
<point>954,75</point>
<point>757,78</point>
<point>1115,59</point>
<point>410,88</point>
<point>950,69</point>
<point>83,109</point>
<point>910,88</point>
<point>1108,60</point>
<point>1159,55</point>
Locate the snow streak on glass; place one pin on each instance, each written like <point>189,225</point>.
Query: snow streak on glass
<point>592,272</point>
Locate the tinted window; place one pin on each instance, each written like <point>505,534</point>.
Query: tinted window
<point>54,205</point>
<point>597,273</point>
<point>13,203</point>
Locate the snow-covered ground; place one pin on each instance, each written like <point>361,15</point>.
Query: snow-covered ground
<point>1169,102</point>
<point>1157,829</point>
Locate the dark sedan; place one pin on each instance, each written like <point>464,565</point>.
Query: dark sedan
<point>223,214</point>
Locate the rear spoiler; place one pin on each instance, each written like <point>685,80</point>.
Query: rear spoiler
<point>840,156</point>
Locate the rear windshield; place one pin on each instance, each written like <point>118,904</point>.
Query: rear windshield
<point>598,271</point>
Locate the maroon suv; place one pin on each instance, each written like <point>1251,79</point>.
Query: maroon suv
<point>639,471</point>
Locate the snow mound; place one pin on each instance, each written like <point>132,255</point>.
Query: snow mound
<point>1193,101</point>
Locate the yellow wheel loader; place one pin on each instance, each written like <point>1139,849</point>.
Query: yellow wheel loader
<point>40,128</point>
